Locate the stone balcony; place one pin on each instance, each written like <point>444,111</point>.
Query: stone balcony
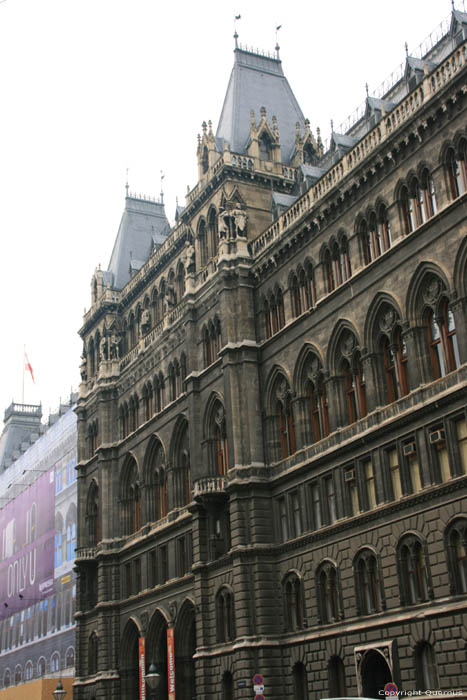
<point>210,486</point>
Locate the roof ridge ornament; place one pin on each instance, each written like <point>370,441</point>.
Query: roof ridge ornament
<point>236,18</point>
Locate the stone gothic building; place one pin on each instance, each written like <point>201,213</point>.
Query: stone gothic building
<point>272,415</point>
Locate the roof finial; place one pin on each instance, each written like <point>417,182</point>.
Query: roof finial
<point>406,50</point>
<point>162,192</point>
<point>127,185</point>
<point>332,126</point>
<point>366,88</point>
<point>453,8</point>
<point>236,18</point>
<point>277,47</point>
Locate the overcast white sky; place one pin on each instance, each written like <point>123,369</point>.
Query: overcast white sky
<point>90,88</point>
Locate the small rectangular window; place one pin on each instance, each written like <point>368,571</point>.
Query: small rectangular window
<point>296,513</point>
<point>331,498</point>
<point>128,586</point>
<point>152,569</point>
<point>181,556</point>
<point>439,448</point>
<point>164,564</point>
<point>461,434</point>
<point>395,472</point>
<point>138,582</point>
<point>283,519</point>
<point>369,480</point>
<point>316,505</point>
<point>351,489</point>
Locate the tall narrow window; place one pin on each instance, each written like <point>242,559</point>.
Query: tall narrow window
<point>367,583</point>
<point>395,473</point>
<point>286,425</point>
<point>328,604</point>
<point>412,571</point>
<point>336,675</point>
<point>425,666</point>
<point>457,555</point>
<point>315,495</point>
<point>293,598</point>
<point>300,683</point>
<point>369,481</point>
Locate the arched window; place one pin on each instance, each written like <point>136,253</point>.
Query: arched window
<point>18,674</point>
<point>93,651</point>
<point>205,160</point>
<point>425,666</point>
<point>328,594</point>
<point>212,230</point>
<point>316,403</point>
<point>296,296</point>
<point>265,147</point>
<point>300,681</point>
<point>202,243</point>
<point>365,238</point>
<point>225,616</point>
<point>41,667</point>
<point>413,571</point>
<point>336,676</point>
<point>354,386</point>
<point>55,662</point>
<point>407,211</point>
<point>309,285</point>
<point>182,466</point>
<point>293,603</point>
<point>227,686</point>
<point>394,354</point>
<point>428,191</point>
<point>147,401</point>
<point>155,477</point>
<point>383,228</point>
<point>92,357</point>
<point>456,165</point>
<point>92,515</point>
<point>442,339</point>
<point>367,583</point>
<point>211,341</point>
<point>328,271</point>
<point>344,257</point>
<point>28,671</point>
<point>267,318</point>
<point>456,541</point>
<point>133,413</point>
<point>217,440</point>
<point>131,498</point>
<point>283,420</point>
<point>158,392</point>
<point>58,541</point>
<point>70,657</point>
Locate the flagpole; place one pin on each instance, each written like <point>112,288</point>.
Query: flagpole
<point>24,355</point>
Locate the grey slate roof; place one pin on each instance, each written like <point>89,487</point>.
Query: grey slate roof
<point>143,225</point>
<point>258,81</point>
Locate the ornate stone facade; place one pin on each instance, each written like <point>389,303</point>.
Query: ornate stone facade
<point>272,417</point>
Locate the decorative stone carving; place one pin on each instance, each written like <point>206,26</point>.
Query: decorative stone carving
<point>347,345</point>
<point>145,320</point>
<point>83,368</point>
<point>312,368</point>
<point>387,321</point>
<point>432,290</point>
<point>114,347</point>
<point>103,348</point>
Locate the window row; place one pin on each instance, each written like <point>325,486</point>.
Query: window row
<point>412,565</point>
<point>54,666</point>
<point>399,469</point>
<point>39,620</point>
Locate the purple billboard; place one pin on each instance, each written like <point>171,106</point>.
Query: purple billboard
<point>27,546</point>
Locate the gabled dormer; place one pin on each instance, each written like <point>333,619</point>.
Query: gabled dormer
<point>375,109</point>
<point>308,149</point>
<point>458,29</point>
<point>206,151</point>
<point>415,71</point>
<point>264,142</point>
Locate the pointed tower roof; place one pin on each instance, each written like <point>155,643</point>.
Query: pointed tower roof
<point>256,81</point>
<point>143,226</point>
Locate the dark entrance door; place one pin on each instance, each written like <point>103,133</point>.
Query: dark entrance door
<point>375,674</point>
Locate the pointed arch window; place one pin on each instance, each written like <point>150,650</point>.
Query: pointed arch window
<point>365,238</point>
<point>265,147</point>
<point>329,271</point>
<point>408,215</point>
<point>182,467</point>
<point>93,651</point>
<point>286,424</point>
<point>355,388</point>
<point>267,318</point>
<point>202,243</point>
<point>205,160</point>
<point>147,401</point>
<point>344,256</point>
<point>395,366</point>
<point>295,292</point>
<point>318,406</point>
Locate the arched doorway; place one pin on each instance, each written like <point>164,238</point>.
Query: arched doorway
<point>185,648</point>
<point>375,673</point>
<point>156,650</point>
<point>129,674</point>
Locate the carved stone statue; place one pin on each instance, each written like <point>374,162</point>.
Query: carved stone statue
<point>114,347</point>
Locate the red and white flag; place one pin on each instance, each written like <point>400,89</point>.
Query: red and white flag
<point>28,367</point>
